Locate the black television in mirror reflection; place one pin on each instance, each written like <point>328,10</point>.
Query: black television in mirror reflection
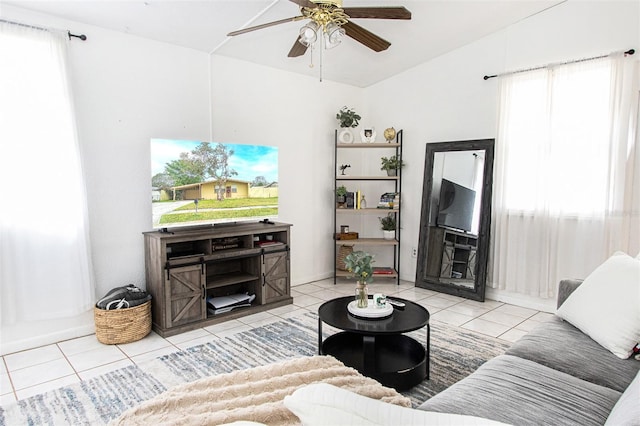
<point>455,206</point>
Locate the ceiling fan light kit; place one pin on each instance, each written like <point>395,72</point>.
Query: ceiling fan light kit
<point>330,22</point>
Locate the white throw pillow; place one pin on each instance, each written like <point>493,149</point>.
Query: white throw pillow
<point>322,404</point>
<point>627,409</point>
<point>606,306</point>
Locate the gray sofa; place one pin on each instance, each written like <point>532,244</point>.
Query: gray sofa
<point>554,375</point>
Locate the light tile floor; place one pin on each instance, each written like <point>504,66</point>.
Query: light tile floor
<point>34,371</point>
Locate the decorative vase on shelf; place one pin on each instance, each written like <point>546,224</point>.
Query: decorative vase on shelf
<point>362,296</point>
<point>345,135</point>
<point>389,235</point>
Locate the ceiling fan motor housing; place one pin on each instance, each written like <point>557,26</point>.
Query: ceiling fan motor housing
<point>335,3</point>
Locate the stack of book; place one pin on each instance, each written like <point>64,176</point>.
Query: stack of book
<point>383,270</point>
<point>389,200</point>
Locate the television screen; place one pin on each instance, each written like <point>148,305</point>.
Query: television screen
<point>455,208</point>
<point>204,183</point>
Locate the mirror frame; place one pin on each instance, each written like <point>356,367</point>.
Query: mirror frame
<point>484,230</point>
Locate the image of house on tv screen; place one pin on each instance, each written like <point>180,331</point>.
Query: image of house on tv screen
<point>203,183</point>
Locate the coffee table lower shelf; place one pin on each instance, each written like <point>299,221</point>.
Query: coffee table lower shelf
<point>396,361</point>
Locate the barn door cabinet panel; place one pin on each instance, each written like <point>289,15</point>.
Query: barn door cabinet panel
<point>275,272</point>
<point>184,268</point>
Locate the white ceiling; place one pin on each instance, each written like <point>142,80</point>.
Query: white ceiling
<point>436,27</point>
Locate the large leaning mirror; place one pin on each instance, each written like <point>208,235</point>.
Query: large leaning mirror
<point>456,218</point>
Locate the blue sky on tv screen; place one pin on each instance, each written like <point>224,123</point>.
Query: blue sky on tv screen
<point>249,161</point>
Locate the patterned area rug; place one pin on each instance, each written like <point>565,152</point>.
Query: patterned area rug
<point>455,353</point>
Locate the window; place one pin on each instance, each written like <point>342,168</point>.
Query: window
<point>557,132</point>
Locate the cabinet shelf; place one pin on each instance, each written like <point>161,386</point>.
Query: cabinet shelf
<point>389,250</point>
<point>216,281</point>
<point>368,242</point>
<point>390,178</point>
<point>347,274</point>
<point>369,145</point>
<point>372,211</point>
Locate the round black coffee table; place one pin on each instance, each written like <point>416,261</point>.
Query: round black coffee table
<point>376,347</point>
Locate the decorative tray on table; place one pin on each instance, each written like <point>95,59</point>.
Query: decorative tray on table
<point>370,312</point>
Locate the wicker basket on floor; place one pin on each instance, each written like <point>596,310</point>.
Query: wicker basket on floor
<point>343,252</point>
<point>119,326</point>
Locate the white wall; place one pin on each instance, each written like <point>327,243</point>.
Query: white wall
<point>256,104</point>
<point>446,99</point>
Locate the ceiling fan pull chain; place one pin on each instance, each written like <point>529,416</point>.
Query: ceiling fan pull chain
<point>311,57</point>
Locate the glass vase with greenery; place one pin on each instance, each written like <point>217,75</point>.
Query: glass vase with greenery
<point>359,263</point>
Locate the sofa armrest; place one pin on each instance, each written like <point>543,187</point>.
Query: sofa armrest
<point>566,288</point>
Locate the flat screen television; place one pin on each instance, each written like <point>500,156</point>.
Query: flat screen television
<point>455,207</point>
<point>196,183</point>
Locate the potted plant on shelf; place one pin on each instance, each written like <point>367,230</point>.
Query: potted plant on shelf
<point>391,165</point>
<point>359,263</point>
<point>341,195</point>
<point>348,118</point>
<point>388,224</point>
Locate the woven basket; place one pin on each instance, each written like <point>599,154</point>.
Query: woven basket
<point>119,326</point>
<point>343,252</point>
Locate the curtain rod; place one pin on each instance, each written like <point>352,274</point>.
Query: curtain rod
<point>69,34</point>
<point>627,53</point>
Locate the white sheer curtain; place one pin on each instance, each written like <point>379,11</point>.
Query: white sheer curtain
<point>567,178</point>
<point>45,267</point>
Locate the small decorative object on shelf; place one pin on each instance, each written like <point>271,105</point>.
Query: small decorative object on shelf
<point>388,224</point>
<point>341,195</point>
<point>391,165</point>
<point>344,167</point>
<point>347,236</point>
<point>389,134</point>
<point>368,135</point>
<point>348,118</point>
<point>363,202</point>
<point>359,263</point>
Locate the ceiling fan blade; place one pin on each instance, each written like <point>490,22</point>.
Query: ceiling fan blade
<point>305,3</point>
<point>378,12</point>
<point>298,49</point>
<point>267,25</point>
<point>365,37</point>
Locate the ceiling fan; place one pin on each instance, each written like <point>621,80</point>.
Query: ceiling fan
<point>329,19</point>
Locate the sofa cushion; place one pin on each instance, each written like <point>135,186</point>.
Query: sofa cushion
<point>513,390</point>
<point>321,404</point>
<point>561,346</point>
<point>627,409</point>
<point>606,306</point>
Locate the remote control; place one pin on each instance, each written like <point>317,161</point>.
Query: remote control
<point>395,303</point>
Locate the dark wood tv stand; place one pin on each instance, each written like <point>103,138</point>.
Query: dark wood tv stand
<point>186,266</point>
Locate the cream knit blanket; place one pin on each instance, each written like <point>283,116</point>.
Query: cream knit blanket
<point>255,394</point>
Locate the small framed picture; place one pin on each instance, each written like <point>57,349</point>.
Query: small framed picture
<point>368,135</point>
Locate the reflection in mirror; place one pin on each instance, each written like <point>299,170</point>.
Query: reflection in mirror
<point>455,221</point>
